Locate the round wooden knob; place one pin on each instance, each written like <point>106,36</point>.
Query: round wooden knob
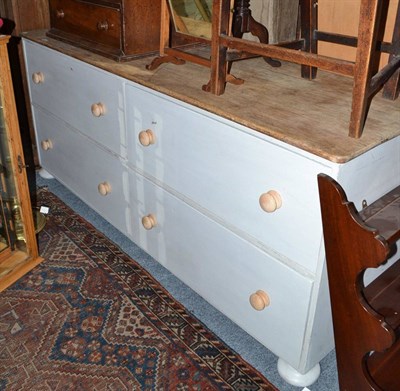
<point>149,221</point>
<point>60,14</point>
<point>259,300</point>
<point>46,144</point>
<point>38,77</point>
<point>98,109</point>
<point>270,201</point>
<point>147,137</point>
<point>104,188</point>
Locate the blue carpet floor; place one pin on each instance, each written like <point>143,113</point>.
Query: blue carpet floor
<point>252,351</point>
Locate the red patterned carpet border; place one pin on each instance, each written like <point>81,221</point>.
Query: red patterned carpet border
<point>91,318</point>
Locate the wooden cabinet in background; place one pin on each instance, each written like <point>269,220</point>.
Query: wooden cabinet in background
<point>27,15</point>
<point>120,29</point>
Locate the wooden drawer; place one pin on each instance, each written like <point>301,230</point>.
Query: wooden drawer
<point>94,22</point>
<point>222,267</point>
<point>76,92</point>
<point>82,166</point>
<point>120,29</point>
<point>226,169</point>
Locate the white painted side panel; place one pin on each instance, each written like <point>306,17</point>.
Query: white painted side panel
<point>372,174</point>
<point>226,170</point>
<point>81,165</point>
<point>370,177</point>
<point>223,268</point>
<point>70,88</point>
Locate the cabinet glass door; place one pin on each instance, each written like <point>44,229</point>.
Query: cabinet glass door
<point>12,236</point>
<point>18,246</point>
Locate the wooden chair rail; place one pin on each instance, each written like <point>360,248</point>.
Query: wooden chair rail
<point>348,40</point>
<point>366,319</point>
<point>287,54</point>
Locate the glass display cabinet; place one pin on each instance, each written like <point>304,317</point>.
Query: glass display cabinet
<point>18,246</point>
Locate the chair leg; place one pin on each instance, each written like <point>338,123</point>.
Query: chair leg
<point>309,23</point>
<point>366,64</point>
<point>392,88</point>
<point>219,64</point>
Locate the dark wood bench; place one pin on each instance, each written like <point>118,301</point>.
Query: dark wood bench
<point>366,319</point>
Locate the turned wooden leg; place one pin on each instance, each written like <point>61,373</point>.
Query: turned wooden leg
<point>260,31</point>
<point>243,22</point>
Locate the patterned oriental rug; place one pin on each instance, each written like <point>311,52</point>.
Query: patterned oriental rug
<point>91,318</point>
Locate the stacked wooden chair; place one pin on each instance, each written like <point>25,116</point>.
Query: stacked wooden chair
<point>367,79</point>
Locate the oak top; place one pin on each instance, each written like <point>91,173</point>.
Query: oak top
<point>311,115</point>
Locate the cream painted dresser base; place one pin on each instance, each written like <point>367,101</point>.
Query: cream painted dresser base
<point>184,184</point>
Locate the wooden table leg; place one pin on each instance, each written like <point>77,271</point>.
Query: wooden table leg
<point>243,22</point>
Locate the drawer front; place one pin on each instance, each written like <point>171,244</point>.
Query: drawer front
<point>226,170</point>
<point>82,166</point>
<point>94,22</point>
<point>85,97</point>
<point>222,267</point>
